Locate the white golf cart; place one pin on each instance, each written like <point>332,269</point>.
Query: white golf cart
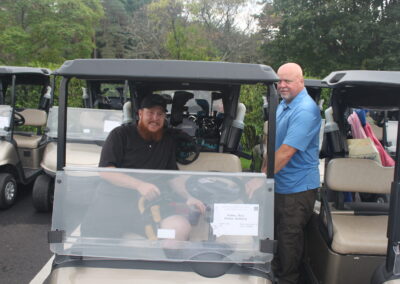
<point>100,234</point>
<point>21,127</point>
<point>348,239</point>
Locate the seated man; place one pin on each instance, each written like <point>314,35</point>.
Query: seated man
<point>146,146</point>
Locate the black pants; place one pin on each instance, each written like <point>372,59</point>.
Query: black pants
<point>292,213</point>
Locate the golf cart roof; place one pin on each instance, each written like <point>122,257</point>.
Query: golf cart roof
<point>165,70</point>
<point>363,77</point>
<point>366,89</point>
<point>315,83</point>
<point>25,75</point>
<point>9,70</point>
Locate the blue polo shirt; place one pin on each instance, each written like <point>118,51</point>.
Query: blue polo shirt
<point>298,124</point>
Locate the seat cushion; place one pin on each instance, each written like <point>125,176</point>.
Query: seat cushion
<point>359,234</point>
<point>30,142</point>
<point>78,154</point>
<point>217,162</point>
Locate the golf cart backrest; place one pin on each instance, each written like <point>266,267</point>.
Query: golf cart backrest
<point>214,162</point>
<point>358,175</point>
<point>34,117</point>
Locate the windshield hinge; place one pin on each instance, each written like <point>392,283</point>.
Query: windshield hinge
<point>55,237</point>
<point>268,246</point>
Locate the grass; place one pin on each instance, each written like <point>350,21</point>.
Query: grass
<point>245,164</point>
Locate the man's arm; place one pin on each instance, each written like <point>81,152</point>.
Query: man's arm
<point>282,157</point>
<point>148,190</point>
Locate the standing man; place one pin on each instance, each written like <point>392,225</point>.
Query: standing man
<point>296,169</point>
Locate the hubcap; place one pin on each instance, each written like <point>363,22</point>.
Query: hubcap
<point>10,191</point>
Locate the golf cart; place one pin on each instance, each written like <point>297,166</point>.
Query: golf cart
<point>88,127</point>
<point>25,95</point>
<point>346,240</point>
<point>231,243</point>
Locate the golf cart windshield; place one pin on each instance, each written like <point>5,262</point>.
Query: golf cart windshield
<point>93,217</point>
<point>5,117</point>
<point>85,124</point>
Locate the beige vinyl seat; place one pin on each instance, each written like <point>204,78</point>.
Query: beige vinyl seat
<point>214,162</point>
<point>33,117</point>
<point>357,233</point>
<point>77,154</point>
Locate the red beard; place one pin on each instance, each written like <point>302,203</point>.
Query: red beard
<point>148,135</point>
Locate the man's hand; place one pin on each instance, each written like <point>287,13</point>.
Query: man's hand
<point>148,190</point>
<point>191,201</point>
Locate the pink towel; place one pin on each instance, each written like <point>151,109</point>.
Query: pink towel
<point>357,130</point>
<point>387,161</point>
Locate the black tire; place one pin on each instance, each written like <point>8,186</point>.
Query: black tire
<point>43,193</point>
<point>8,190</point>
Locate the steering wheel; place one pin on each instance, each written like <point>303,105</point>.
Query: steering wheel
<point>19,120</point>
<point>215,189</point>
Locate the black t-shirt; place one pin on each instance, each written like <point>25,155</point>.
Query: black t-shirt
<point>125,148</point>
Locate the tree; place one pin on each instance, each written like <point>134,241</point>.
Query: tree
<point>220,19</point>
<point>113,37</point>
<point>47,31</point>
<point>326,35</point>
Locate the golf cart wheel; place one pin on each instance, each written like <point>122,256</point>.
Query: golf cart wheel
<point>43,193</point>
<point>8,190</point>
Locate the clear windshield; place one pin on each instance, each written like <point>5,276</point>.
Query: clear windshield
<point>5,117</point>
<point>198,103</point>
<point>85,124</point>
<point>101,219</point>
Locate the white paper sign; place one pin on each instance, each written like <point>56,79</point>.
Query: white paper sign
<point>4,122</point>
<point>110,125</point>
<point>165,234</point>
<point>235,219</point>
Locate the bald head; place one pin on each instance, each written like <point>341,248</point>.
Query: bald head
<point>291,81</point>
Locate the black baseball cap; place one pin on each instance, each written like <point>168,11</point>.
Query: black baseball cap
<point>153,100</point>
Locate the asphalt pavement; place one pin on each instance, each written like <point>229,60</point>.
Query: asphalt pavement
<point>23,240</point>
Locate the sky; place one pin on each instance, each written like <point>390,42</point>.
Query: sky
<point>246,15</point>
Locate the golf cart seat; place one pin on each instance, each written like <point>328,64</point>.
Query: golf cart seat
<point>78,154</point>
<point>214,162</point>
<point>358,229</point>
<point>33,117</point>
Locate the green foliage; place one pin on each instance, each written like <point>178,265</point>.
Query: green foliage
<point>323,36</point>
<point>47,31</point>
<point>245,163</point>
<point>252,97</point>
<point>114,38</point>
<point>190,43</point>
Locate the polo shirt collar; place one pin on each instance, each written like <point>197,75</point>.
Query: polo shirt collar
<point>296,100</point>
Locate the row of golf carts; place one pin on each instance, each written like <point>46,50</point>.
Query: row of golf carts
<point>98,237</point>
